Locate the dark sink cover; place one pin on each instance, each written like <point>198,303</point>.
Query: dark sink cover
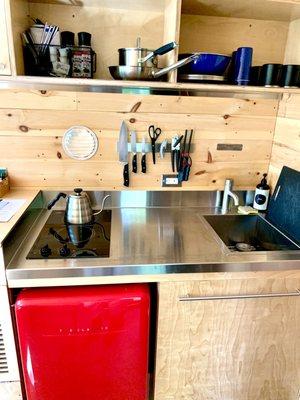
<point>284,207</point>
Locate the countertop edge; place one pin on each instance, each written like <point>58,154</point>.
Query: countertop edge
<point>25,194</point>
<point>155,273</point>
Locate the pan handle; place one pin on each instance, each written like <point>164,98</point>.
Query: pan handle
<point>178,64</point>
<point>159,52</point>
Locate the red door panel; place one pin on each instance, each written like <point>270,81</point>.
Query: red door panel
<point>84,343</point>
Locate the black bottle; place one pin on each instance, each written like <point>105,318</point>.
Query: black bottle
<point>83,57</point>
<point>262,194</point>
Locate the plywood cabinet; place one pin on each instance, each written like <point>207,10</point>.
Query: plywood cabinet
<point>113,24</point>
<point>221,345</point>
<point>271,27</point>
<point>5,67</point>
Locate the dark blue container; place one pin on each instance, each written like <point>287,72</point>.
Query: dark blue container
<point>206,64</point>
<point>243,63</point>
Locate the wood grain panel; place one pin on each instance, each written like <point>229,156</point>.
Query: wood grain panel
<point>277,10</point>
<point>38,99</point>
<point>116,4</point>
<point>20,22</point>
<point>58,173</point>
<point>86,101</point>
<point>111,29</point>
<point>289,106</point>
<point>50,148</point>
<point>176,104</point>
<point>56,122</point>
<point>171,33</point>
<point>292,45</point>
<point>228,349</point>
<point>288,133</point>
<point>32,129</point>
<point>228,34</point>
<point>284,155</point>
<point>286,144</point>
<point>5,57</point>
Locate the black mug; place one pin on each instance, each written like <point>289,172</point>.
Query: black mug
<point>271,75</point>
<point>255,76</point>
<point>290,76</point>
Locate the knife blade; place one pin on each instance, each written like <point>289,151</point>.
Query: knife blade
<point>123,152</point>
<point>133,151</point>
<point>144,167</point>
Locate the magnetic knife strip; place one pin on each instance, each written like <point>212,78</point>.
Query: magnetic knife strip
<point>148,148</point>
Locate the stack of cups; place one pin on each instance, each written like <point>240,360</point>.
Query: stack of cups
<point>242,60</point>
<point>276,75</point>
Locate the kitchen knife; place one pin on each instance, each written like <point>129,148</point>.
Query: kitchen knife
<point>123,152</point>
<point>144,168</point>
<point>133,151</point>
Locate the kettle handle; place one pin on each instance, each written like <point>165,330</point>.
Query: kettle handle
<point>102,205</point>
<point>55,200</point>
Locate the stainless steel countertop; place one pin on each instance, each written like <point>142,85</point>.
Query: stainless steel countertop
<point>146,242</point>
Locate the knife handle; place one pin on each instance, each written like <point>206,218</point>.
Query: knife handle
<point>134,163</point>
<point>144,169</point>
<point>177,157</point>
<point>173,160</point>
<point>153,152</point>
<point>126,175</point>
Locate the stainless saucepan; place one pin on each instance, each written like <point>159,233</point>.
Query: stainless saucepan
<point>143,73</point>
<point>138,56</point>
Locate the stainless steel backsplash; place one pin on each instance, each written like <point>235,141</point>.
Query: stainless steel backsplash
<point>141,199</point>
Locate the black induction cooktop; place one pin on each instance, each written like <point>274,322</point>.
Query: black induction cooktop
<point>60,240</point>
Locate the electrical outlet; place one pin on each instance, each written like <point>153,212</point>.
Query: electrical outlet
<point>170,181</point>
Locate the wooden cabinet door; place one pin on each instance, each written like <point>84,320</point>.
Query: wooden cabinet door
<point>228,348</point>
<point>5,67</point>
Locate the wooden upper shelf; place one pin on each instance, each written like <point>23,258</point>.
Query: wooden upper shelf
<point>276,10</point>
<point>142,87</point>
<point>152,5</point>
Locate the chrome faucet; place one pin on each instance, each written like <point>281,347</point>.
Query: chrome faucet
<point>228,193</point>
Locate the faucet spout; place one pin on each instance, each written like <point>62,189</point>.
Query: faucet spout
<point>227,194</point>
<point>234,197</point>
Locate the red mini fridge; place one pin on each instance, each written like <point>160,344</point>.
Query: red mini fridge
<point>84,343</point>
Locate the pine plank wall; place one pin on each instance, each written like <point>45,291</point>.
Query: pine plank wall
<point>286,143</point>
<point>32,124</point>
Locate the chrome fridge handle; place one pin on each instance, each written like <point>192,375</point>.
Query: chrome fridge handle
<point>239,296</point>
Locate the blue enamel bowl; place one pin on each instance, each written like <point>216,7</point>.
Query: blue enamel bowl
<point>206,64</point>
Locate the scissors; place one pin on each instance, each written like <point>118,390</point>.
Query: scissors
<point>153,134</point>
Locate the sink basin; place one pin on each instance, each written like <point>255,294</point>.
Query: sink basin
<point>249,233</point>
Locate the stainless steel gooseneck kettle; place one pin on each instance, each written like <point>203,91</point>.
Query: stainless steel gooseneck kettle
<point>78,207</point>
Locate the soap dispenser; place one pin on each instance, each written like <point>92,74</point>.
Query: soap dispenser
<point>261,196</point>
